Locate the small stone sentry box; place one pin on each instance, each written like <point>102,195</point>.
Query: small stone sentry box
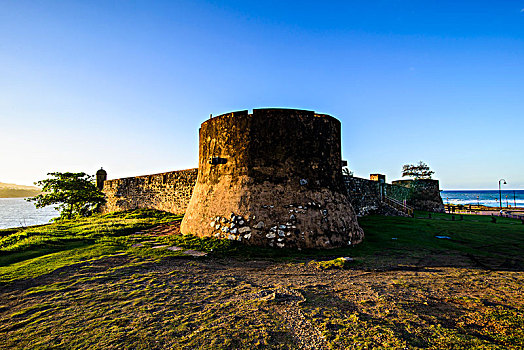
<point>272,178</point>
<point>101,176</point>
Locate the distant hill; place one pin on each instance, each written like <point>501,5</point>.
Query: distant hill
<point>17,191</point>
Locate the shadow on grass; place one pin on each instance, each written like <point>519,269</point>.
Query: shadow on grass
<point>48,249</point>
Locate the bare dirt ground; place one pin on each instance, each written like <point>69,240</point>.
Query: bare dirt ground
<point>219,303</point>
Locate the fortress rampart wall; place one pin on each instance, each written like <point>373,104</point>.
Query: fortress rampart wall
<point>366,195</point>
<point>425,194</point>
<point>169,192</point>
<point>399,193</point>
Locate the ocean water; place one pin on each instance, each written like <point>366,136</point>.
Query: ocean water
<point>488,198</point>
<point>16,212</point>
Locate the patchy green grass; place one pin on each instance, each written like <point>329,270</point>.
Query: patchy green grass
<point>37,250</point>
<point>390,241</point>
<point>490,245</point>
<point>81,284</point>
<point>337,263</point>
<point>34,251</point>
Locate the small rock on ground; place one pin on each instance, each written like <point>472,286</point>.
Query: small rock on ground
<point>194,253</point>
<point>174,249</point>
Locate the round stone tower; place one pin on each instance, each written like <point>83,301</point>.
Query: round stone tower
<point>272,178</point>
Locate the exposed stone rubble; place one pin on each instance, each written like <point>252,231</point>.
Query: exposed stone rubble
<point>280,235</point>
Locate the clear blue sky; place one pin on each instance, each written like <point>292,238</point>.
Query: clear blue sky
<point>126,84</point>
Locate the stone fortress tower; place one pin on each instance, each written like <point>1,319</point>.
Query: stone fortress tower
<point>272,178</point>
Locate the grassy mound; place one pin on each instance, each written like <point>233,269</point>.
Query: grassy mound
<point>34,251</point>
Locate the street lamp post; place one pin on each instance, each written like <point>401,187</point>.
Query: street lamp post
<point>500,194</point>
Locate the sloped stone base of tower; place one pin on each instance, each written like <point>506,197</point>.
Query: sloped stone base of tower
<point>272,215</point>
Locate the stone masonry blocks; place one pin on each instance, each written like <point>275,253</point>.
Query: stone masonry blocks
<point>169,192</point>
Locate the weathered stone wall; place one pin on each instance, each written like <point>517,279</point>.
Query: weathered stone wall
<point>279,184</point>
<point>425,194</point>
<point>169,192</point>
<point>364,195</point>
<point>399,193</point>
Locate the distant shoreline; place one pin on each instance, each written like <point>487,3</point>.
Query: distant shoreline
<point>10,193</point>
<point>18,197</point>
<point>18,191</point>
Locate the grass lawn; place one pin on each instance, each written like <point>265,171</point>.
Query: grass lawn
<point>107,282</point>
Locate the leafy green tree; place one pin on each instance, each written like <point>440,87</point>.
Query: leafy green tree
<point>417,171</point>
<point>75,194</point>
